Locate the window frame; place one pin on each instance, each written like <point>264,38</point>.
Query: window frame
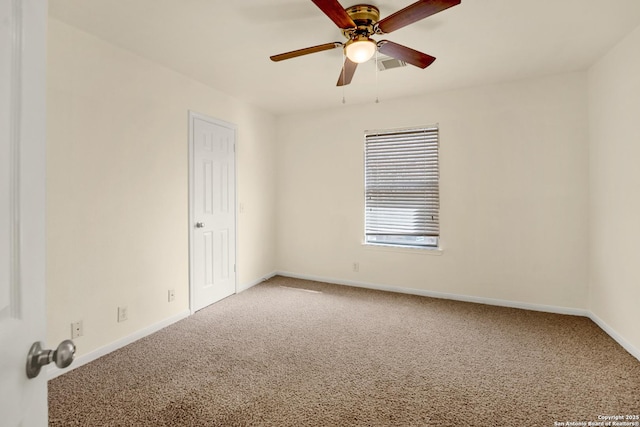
<point>414,180</point>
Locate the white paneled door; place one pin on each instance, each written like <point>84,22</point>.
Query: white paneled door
<point>213,219</point>
<point>23,23</point>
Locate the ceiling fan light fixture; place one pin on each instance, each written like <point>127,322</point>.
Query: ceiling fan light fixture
<point>360,50</point>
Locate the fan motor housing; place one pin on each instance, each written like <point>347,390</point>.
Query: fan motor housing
<point>364,12</point>
<point>364,16</point>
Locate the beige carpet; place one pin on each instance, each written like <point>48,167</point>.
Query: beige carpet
<point>328,355</point>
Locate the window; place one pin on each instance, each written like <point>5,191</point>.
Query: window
<point>401,187</point>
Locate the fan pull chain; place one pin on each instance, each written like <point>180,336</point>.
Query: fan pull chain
<point>377,89</point>
<point>344,59</point>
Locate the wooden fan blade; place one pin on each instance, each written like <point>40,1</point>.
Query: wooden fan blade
<point>413,13</point>
<point>336,13</point>
<point>406,54</point>
<point>347,72</point>
<point>305,51</point>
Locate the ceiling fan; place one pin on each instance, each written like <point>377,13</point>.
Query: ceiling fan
<point>358,23</point>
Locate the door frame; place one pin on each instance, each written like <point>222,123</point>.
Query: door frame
<point>192,117</point>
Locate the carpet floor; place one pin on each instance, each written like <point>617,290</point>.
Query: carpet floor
<point>291,352</point>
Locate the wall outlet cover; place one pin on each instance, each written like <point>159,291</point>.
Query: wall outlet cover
<point>76,329</point>
<point>123,314</point>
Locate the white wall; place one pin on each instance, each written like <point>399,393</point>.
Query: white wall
<point>117,187</point>
<point>514,173</point>
<point>614,116</point>
<point>518,176</point>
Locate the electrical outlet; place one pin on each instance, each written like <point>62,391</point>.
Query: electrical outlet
<point>123,314</point>
<point>356,267</point>
<point>172,295</point>
<point>76,329</point>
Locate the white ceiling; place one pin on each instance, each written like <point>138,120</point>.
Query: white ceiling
<point>226,44</point>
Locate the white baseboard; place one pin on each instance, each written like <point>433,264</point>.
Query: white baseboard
<point>53,371</point>
<point>244,287</point>
<point>443,295</point>
<point>615,335</point>
<point>481,300</point>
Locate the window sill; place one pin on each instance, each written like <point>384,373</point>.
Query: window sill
<point>403,249</point>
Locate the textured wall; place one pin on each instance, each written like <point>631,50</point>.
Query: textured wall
<point>514,165</point>
<point>117,187</point>
<point>614,110</point>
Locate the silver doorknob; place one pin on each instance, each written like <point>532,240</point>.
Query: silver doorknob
<point>199,224</point>
<point>37,357</point>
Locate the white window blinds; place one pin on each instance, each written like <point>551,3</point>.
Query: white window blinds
<point>401,187</point>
